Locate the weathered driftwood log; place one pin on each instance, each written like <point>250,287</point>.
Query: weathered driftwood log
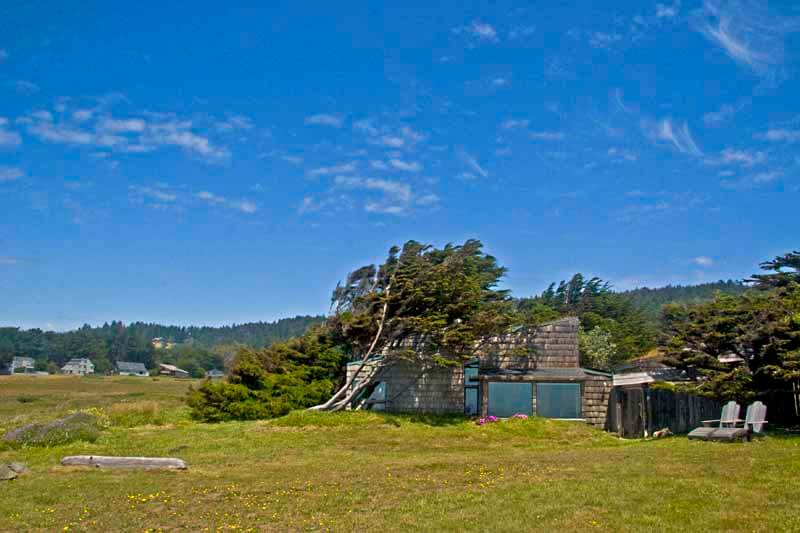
<point>101,461</point>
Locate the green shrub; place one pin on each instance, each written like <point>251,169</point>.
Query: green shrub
<point>27,398</point>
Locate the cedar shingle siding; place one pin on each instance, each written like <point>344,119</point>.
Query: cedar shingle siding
<point>548,353</point>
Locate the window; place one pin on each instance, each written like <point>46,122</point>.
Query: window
<point>558,400</point>
<point>509,399</point>
<point>471,388</point>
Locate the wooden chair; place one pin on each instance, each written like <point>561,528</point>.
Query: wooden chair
<point>753,425</point>
<point>727,419</point>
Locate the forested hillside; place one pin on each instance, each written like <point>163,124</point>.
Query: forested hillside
<point>651,301</point>
<point>195,349</point>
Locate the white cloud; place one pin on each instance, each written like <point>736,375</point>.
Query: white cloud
<point>366,126</point>
<point>325,119</point>
<point>472,163</point>
<point>547,135</point>
<point>336,169</point>
<point>128,135</point>
<point>523,31</point>
<point>780,135</point>
<point>603,40</point>
<point>745,158</point>
<point>3,55</point>
<point>428,199</point>
<point>717,118</point>
<point>245,206</point>
<point>377,164</point>
<point>513,124</point>
<point>396,197</point>
<point>26,87</point>
<point>8,137</point>
<point>293,159</point>
<point>622,154</point>
<point>133,125</point>
<point>667,11</point>
<point>10,174</point>
<point>392,141</point>
<point>754,180</point>
<point>745,31</point>
<point>480,31</point>
<point>160,194</point>
<point>82,115</point>
<point>703,261</point>
<point>501,82</point>
<point>406,166</point>
<point>679,137</point>
<point>235,123</point>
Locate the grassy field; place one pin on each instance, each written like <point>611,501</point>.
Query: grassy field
<point>362,471</point>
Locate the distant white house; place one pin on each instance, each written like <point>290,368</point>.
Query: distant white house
<point>125,368</point>
<point>27,364</point>
<point>172,370</point>
<point>78,367</point>
<point>215,374</point>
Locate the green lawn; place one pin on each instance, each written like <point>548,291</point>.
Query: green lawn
<point>362,471</point>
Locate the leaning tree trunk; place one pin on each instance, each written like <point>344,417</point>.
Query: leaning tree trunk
<point>334,403</point>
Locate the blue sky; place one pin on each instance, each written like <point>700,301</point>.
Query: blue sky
<point>185,163</point>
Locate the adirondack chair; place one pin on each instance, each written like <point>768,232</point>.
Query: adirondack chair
<point>753,424</point>
<point>727,419</point>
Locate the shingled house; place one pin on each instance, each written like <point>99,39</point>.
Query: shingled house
<point>533,371</point>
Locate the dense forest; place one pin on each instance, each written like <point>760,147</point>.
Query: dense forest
<point>196,348</point>
<point>652,301</point>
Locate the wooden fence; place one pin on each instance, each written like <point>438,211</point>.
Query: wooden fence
<point>638,411</point>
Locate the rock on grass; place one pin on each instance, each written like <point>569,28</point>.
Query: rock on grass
<point>77,426</point>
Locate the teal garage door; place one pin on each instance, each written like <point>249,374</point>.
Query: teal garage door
<point>509,399</point>
<point>558,400</point>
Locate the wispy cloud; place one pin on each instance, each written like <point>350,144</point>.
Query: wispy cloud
<point>406,166</point>
<point>10,174</point>
<point>780,135</point>
<point>235,123</point>
<point>677,136</point>
<point>160,194</point>
<point>396,197</point>
<point>343,168</point>
<point>703,261</point>
<point>479,31</point>
<point>8,137</point>
<point>325,119</point>
<point>141,134</point>
<point>3,55</point>
<point>622,154</point>
<point>732,156</point>
<point>472,164</point>
<point>746,32</point>
<point>514,124</point>
<point>603,40</point>
<point>667,11</point>
<point>752,181</point>
<point>245,206</point>
<point>25,87</point>
<point>547,136</point>
<point>717,118</point>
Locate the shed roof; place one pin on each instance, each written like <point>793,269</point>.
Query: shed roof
<point>126,366</point>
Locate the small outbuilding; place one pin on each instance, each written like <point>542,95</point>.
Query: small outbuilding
<point>214,374</point>
<point>172,370</point>
<point>126,368</point>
